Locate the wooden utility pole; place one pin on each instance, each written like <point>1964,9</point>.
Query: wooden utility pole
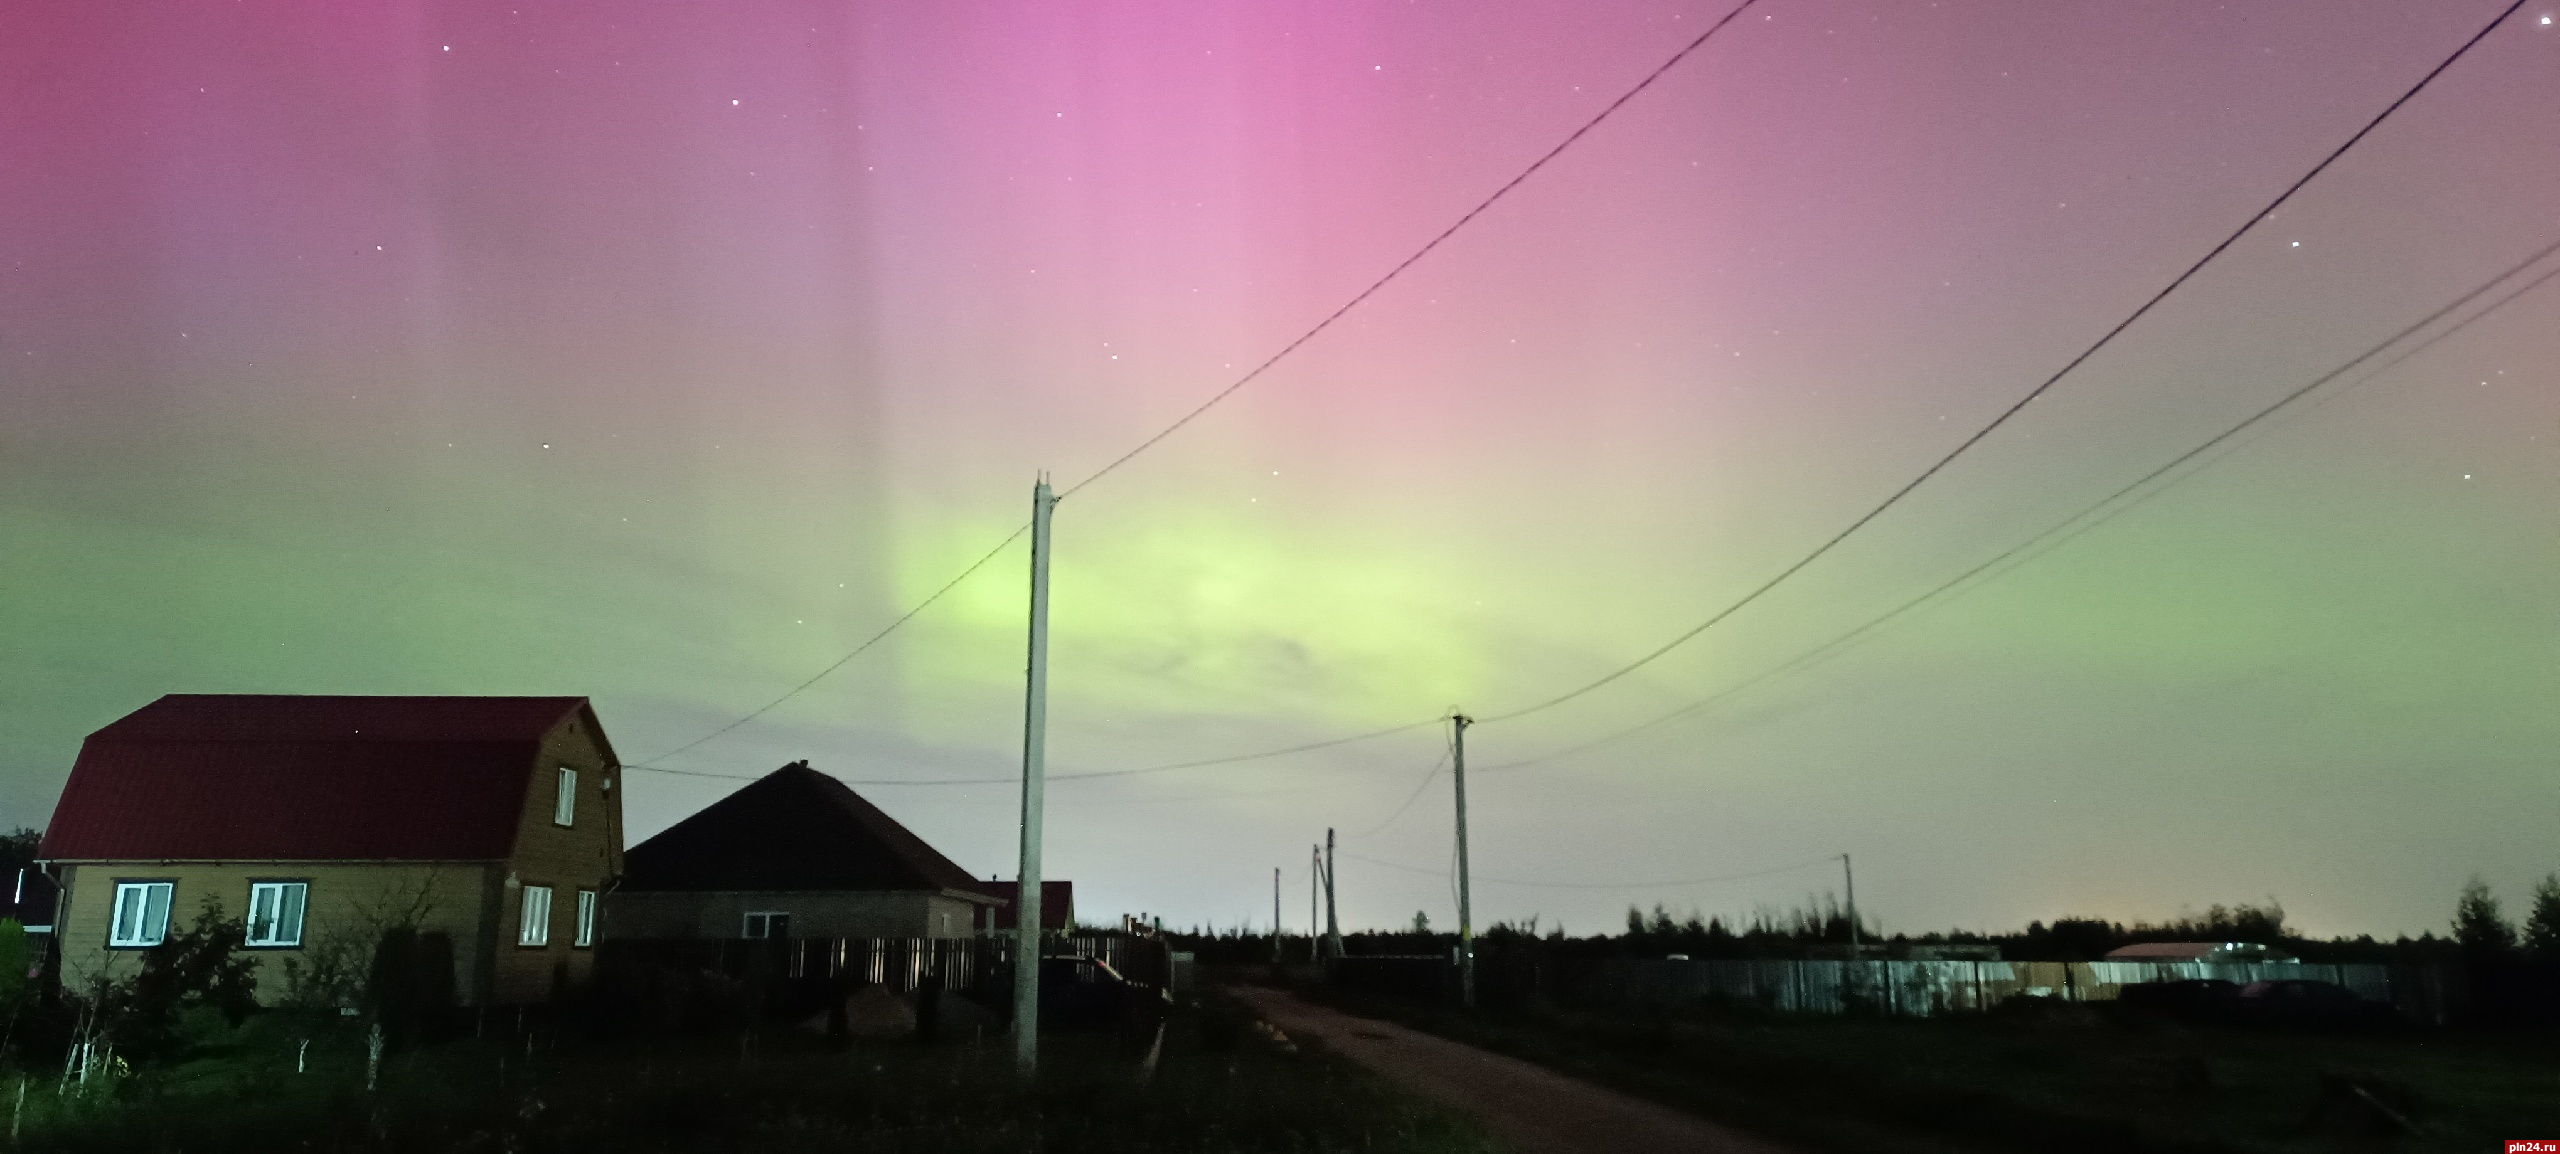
<point>1035,730</point>
<point>1315,884</point>
<point>1332,914</point>
<point>1466,908</point>
<point>1849,878</point>
<point>1275,916</point>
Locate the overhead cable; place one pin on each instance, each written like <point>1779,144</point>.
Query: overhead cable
<point>1016,779</point>
<point>2021,403</point>
<point>1605,885</point>
<point>1248,378</point>
<point>2081,521</point>
<point>858,651</point>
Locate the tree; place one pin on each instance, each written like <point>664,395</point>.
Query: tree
<point>198,966</point>
<point>18,847</point>
<point>2479,925</point>
<point>2542,926</point>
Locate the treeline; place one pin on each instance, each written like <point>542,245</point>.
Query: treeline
<point>2479,934</point>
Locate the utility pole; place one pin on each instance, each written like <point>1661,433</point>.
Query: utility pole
<point>1849,878</point>
<point>1466,908</point>
<point>1332,915</point>
<point>1315,883</point>
<point>1035,732</point>
<point>1275,917</point>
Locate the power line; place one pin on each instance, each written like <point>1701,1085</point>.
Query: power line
<point>858,651</point>
<point>1607,885</point>
<point>1446,751</point>
<point>1836,644</point>
<point>1408,262</point>
<point>2021,403</point>
<point>1090,775</point>
<point>1248,378</point>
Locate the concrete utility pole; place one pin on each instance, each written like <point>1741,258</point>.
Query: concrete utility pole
<point>1849,878</point>
<point>1332,915</point>
<point>1466,908</point>
<point>1035,731</point>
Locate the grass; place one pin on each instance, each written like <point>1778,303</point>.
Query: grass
<point>1217,1087</point>
<point>2070,1080</point>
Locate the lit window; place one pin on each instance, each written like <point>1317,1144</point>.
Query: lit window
<point>768,924</point>
<point>142,914</point>
<point>586,918</point>
<point>535,928</point>
<point>564,808</point>
<point>275,913</point>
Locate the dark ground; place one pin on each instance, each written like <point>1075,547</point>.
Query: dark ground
<point>2039,1078</point>
<point>1218,1086</point>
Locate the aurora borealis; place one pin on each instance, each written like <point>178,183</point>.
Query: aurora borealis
<point>662,354</point>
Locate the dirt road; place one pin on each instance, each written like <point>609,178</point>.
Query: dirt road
<point>1531,1107</point>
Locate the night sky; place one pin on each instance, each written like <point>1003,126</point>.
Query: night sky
<point>661,354</point>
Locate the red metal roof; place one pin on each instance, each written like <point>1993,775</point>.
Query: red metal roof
<point>286,778</point>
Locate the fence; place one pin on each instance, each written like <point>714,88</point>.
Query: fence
<point>1922,989</point>
<point>1911,989</point>
<point>785,977</point>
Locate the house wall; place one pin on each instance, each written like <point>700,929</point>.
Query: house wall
<point>348,906</point>
<point>584,855</point>
<point>814,913</point>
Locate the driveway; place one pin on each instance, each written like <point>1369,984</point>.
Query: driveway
<point>1534,1109</point>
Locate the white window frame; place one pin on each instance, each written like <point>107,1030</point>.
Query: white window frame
<point>564,805</point>
<point>533,917</point>
<point>140,930</point>
<point>283,905</point>
<point>748,929</point>
<point>586,935</point>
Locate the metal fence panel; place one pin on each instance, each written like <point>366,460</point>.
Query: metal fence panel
<point>1927,988</point>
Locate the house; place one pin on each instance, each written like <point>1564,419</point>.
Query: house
<point>2197,952</point>
<point>794,854</point>
<point>1057,904</point>
<point>30,904</point>
<point>492,823</point>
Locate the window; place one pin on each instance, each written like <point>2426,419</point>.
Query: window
<point>142,914</point>
<point>586,919</point>
<point>768,924</point>
<point>275,913</point>
<point>535,927</point>
<point>564,808</point>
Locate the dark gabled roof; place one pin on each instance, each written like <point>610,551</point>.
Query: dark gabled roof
<point>261,777</point>
<point>1057,903</point>
<point>792,829</point>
